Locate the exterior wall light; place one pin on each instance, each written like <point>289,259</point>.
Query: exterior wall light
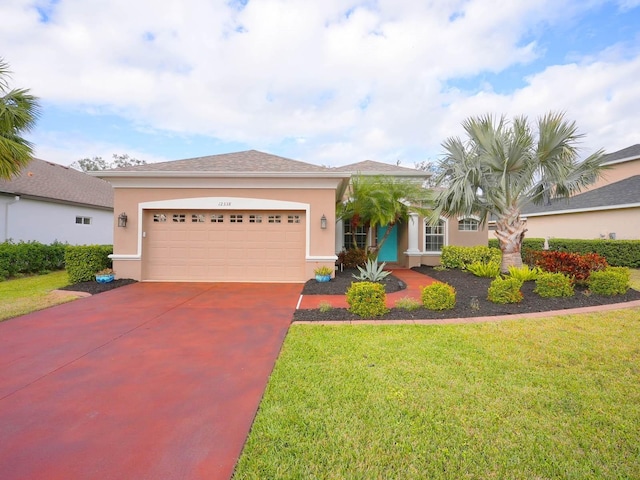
<point>122,220</point>
<point>323,222</point>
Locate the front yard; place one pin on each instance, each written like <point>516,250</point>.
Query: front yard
<point>553,398</point>
<point>23,295</point>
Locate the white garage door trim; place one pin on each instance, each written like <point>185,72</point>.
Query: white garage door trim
<point>221,203</point>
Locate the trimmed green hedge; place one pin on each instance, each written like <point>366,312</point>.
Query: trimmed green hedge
<point>619,253</point>
<point>460,257</point>
<point>30,257</point>
<point>83,261</point>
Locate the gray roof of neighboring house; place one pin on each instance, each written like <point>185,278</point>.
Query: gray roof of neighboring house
<point>626,153</point>
<point>624,192</point>
<point>248,161</point>
<point>46,180</point>
<point>378,168</point>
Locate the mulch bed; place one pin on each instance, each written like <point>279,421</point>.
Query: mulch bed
<point>94,287</point>
<point>343,280</point>
<point>467,286</point>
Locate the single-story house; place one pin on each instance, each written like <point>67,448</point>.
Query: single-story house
<point>47,202</point>
<point>249,216</point>
<point>610,208</point>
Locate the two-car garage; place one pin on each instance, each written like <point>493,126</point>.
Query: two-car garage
<point>224,245</point>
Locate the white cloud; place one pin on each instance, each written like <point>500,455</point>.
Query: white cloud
<point>355,80</point>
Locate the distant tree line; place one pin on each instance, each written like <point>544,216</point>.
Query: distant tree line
<point>98,163</point>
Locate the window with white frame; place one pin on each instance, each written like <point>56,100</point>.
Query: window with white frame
<point>360,235</point>
<point>468,225</point>
<point>83,220</point>
<point>435,236</point>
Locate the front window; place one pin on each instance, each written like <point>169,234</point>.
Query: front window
<point>468,225</point>
<point>435,236</point>
<point>360,234</point>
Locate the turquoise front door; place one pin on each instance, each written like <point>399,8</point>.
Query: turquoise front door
<point>389,251</point>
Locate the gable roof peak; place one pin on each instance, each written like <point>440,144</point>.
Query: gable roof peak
<point>372,167</point>
<point>245,161</point>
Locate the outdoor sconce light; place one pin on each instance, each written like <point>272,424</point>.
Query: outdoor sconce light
<point>323,222</point>
<point>122,220</point>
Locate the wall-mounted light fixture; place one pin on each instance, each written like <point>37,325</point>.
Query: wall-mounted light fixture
<point>122,220</point>
<point>323,222</point>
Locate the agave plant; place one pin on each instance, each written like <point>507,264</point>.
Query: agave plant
<point>372,272</point>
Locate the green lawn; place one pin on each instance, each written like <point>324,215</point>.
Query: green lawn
<point>534,399</point>
<point>28,294</point>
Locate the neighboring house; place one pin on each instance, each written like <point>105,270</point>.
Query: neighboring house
<point>611,211</point>
<point>47,202</point>
<point>610,208</point>
<point>246,216</point>
<point>623,164</point>
<point>415,242</point>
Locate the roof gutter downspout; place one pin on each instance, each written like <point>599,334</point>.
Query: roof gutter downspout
<point>16,199</point>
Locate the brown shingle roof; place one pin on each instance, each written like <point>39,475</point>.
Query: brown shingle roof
<point>248,161</point>
<point>629,152</point>
<point>55,182</point>
<point>379,168</point>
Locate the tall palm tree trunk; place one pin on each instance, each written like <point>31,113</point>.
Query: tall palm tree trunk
<point>510,230</point>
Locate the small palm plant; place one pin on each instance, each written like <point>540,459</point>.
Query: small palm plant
<point>372,272</point>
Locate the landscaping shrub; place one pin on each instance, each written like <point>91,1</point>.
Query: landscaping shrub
<point>480,269</point>
<point>524,273</point>
<point>372,272</point>
<point>407,303</point>
<point>618,253</point>
<point>30,257</point>
<point>367,299</point>
<point>554,285</point>
<point>460,257</point>
<point>575,265</point>
<point>83,261</point>
<point>439,296</point>
<point>352,258</point>
<point>611,281</point>
<point>505,290</point>
<point>325,307</point>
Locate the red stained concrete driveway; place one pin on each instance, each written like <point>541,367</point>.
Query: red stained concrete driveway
<point>147,381</point>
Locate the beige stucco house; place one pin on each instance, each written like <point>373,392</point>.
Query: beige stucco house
<point>610,208</point>
<point>250,216</point>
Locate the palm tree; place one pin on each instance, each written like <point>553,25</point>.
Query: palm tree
<point>382,201</point>
<point>504,165</point>
<point>19,111</point>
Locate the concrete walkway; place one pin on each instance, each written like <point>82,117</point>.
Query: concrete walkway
<point>148,381</point>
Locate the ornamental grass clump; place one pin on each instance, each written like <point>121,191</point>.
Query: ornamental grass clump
<point>505,290</point>
<point>407,303</point>
<point>524,273</point>
<point>611,281</point>
<point>439,296</point>
<point>485,269</point>
<point>549,285</point>
<point>367,299</point>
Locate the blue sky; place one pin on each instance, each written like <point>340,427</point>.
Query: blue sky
<point>329,82</point>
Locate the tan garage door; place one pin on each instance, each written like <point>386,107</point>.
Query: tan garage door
<point>223,246</point>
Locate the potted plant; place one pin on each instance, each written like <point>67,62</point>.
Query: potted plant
<point>323,274</point>
<point>105,276</point>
